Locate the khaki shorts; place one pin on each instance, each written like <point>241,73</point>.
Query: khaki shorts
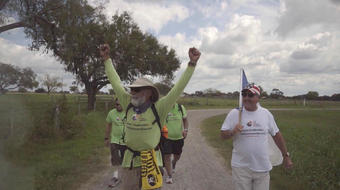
<point>117,154</point>
<point>246,179</point>
<point>131,179</point>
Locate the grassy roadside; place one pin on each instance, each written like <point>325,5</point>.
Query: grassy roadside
<point>57,164</point>
<point>313,140</point>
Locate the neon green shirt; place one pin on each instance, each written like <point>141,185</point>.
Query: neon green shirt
<point>116,119</point>
<point>140,133</point>
<point>174,122</point>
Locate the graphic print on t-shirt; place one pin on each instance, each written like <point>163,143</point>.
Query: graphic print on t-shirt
<point>253,129</point>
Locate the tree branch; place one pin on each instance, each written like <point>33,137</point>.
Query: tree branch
<point>3,4</point>
<point>12,26</point>
<point>102,84</point>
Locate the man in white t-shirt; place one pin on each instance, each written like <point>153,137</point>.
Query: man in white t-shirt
<point>250,157</point>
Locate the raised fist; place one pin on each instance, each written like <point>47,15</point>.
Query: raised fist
<point>194,55</point>
<point>104,51</point>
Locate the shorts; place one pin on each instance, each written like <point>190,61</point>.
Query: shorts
<point>117,153</point>
<point>131,179</point>
<point>172,146</point>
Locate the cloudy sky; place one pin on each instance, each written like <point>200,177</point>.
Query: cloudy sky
<point>293,45</point>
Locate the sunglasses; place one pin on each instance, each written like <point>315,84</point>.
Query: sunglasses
<point>247,93</point>
<point>117,104</point>
<point>136,89</point>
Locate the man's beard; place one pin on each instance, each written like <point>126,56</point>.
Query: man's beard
<point>137,101</point>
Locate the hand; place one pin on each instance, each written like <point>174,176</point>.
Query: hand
<point>287,162</point>
<point>194,55</point>
<point>237,129</point>
<point>185,133</point>
<point>104,51</point>
<point>107,142</point>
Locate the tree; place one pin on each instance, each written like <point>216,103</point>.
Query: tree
<point>212,92</point>
<point>73,31</point>
<point>22,90</point>
<point>40,90</point>
<point>74,89</point>
<point>12,77</point>
<point>111,92</point>
<point>51,83</point>
<point>236,94</point>
<point>29,14</point>
<point>335,97</point>
<point>264,94</point>
<point>276,93</point>
<point>312,95</point>
<point>164,86</point>
<point>199,93</point>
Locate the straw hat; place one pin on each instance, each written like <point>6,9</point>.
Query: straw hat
<point>144,82</point>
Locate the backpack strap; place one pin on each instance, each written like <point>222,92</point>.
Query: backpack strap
<point>124,120</point>
<point>155,113</point>
<point>135,154</point>
<point>180,109</point>
<point>157,119</point>
<point>127,110</point>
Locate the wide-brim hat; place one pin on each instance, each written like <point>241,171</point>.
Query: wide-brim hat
<point>144,82</point>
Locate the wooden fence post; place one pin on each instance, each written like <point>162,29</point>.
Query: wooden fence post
<point>56,118</point>
<point>78,105</point>
<point>11,122</point>
<point>106,106</point>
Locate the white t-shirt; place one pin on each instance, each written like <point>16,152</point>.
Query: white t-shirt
<point>250,147</point>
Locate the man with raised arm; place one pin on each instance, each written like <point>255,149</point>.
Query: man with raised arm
<point>145,114</point>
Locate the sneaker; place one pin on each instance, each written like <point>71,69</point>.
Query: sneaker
<point>115,182</point>
<point>168,180</point>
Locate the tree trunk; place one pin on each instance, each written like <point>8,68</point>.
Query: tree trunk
<point>91,98</point>
<point>12,26</point>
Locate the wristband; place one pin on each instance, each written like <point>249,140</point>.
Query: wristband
<point>192,63</point>
<point>186,130</point>
<point>106,138</point>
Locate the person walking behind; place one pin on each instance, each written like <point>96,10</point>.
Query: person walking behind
<point>114,140</point>
<point>173,141</point>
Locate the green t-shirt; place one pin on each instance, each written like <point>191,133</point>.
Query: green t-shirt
<point>140,133</point>
<point>174,122</point>
<point>116,118</point>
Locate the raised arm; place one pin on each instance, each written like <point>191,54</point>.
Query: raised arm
<point>165,104</point>
<point>122,95</point>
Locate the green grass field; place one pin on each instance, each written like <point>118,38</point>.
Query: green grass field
<point>206,103</point>
<point>36,155</point>
<point>44,160</point>
<point>312,139</point>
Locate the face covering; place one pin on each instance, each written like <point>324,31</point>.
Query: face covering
<point>137,101</point>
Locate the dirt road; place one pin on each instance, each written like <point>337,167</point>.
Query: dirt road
<point>200,168</point>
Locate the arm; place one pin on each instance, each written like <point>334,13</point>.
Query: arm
<point>227,134</point>
<point>107,133</point>
<point>280,143</point>
<point>113,77</point>
<point>164,105</point>
<point>186,127</point>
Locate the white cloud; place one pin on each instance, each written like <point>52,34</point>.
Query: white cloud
<point>287,44</point>
<point>149,15</point>
<point>297,15</point>
<point>242,31</point>
<point>40,63</point>
<point>315,55</point>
